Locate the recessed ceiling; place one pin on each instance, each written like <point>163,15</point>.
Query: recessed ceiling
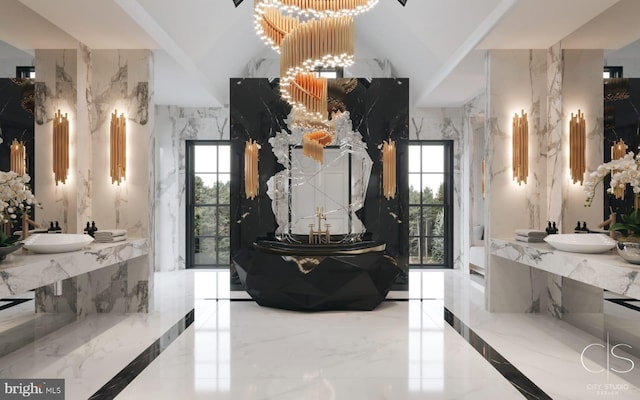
<point>437,44</point>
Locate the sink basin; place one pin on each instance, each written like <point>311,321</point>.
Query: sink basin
<point>581,242</point>
<point>56,243</point>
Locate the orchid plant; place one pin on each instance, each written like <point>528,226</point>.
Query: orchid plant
<point>16,199</point>
<point>623,171</point>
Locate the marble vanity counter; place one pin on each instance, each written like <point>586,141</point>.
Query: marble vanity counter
<point>23,270</point>
<point>605,270</point>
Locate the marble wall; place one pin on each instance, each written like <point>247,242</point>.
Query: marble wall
<point>548,86</point>
<point>89,85</point>
<point>173,127</point>
<point>583,89</point>
<point>55,89</point>
<point>446,124</point>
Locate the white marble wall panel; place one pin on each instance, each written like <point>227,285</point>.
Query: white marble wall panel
<point>445,124</point>
<point>516,288</point>
<point>83,142</point>
<point>175,125</point>
<point>55,89</point>
<point>555,155</point>
<point>121,81</point>
<point>583,89</point>
<point>516,83</point>
<point>473,154</point>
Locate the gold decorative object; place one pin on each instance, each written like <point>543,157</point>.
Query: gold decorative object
<point>313,144</point>
<point>520,148</point>
<point>118,146</point>
<point>618,150</point>
<point>251,169</point>
<point>577,144</point>
<point>389,169</point>
<point>315,43</point>
<point>18,157</point>
<point>60,147</point>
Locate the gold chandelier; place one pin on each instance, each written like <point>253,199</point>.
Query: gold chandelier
<point>309,34</point>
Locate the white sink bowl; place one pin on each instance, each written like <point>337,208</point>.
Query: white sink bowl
<point>56,243</point>
<point>581,242</point>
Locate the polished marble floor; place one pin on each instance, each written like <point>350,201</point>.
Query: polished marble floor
<point>235,349</point>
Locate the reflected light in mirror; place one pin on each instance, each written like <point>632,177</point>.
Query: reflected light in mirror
<point>18,157</point>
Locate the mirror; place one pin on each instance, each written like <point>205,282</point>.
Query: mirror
<point>339,185</point>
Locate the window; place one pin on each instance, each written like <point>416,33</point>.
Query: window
<point>330,73</point>
<point>612,72</point>
<point>430,209</point>
<point>208,204</point>
<point>26,72</point>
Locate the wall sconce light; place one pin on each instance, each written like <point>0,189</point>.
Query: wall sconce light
<point>389,169</point>
<point>577,143</point>
<point>118,148</point>
<point>18,157</point>
<point>618,150</point>
<point>60,147</point>
<point>251,169</point>
<point>520,148</point>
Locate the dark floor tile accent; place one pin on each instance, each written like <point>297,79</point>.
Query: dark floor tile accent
<point>524,385</point>
<point>13,303</point>
<point>625,303</point>
<point>112,388</point>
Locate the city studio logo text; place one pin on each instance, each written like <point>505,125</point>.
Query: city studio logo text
<point>611,351</point>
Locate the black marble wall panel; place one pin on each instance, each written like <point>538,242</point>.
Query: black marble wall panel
<point>621,121</point>
<point>16,120</point>
<point>379,110</point>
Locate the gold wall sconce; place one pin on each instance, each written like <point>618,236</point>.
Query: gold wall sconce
<point>520,148</point>
<point>60,147</point>
<point>577,144</point>
<point>18,157</point>
<point>389,169</point>
<point>618,150</point>
<point>251,148</point>
<point>118,147</point>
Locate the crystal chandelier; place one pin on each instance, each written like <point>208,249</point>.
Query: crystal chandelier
<point>309,34</point>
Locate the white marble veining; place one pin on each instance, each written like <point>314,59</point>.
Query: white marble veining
<point>607,271</point>
<point>554,175</point>
<point>402,350</point>
<point>21,272</point>
<point>175,125</point>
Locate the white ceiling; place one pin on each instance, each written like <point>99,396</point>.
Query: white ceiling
<point>439,45</point>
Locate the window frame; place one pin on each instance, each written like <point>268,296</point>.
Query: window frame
<point>447,206</point>
<point>191,205</point>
